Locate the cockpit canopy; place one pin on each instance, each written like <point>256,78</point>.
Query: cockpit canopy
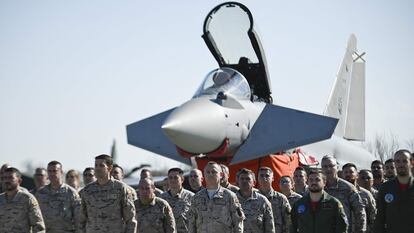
<point>230,36</point>
<point>226,80</point>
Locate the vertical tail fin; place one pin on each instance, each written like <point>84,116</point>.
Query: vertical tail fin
<point>347,99</point>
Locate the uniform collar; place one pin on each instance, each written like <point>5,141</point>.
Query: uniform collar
<point>253,196</point>
<point>179,194</point>
<point>271,193</point>
<point>324,197</point>
<point>218,194</point>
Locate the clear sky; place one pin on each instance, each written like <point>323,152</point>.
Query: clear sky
<point>73,74</point>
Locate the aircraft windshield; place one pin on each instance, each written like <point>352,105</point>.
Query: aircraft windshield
<point>225,80</point>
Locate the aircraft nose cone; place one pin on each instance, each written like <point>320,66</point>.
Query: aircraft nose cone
<point>198,126</point>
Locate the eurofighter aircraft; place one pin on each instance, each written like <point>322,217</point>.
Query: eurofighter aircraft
<point>231,116</point>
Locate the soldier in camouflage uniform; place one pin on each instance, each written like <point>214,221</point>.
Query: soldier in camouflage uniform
<point>88,175</point>
<point>195,180</point>
<point>286,187</point>
<point>377,168</point>
<point>366,181</point>
<point>59,202</point>
<point>106,205</point>
<point>347,194</point>
<point>280,204</point>
<point>40,179</point>
<point>145,173</point>
<point>215,209</point>
<point>19,210</point>
<point>178,198</point>
<point>225,180</point>
<point>300,178</point>
<point>256,207</point>
<point>154,215</point>
<point>118,174</point>
<point>351,175</point>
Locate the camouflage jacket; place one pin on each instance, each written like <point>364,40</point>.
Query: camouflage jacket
<point>220,214</point>
<point>370,207</point>
<point>180,205</point>
<point>60,208</point>
<point>281,210</point>
<point>156,217</point>
<point>107,208</point>
<point>354,207</point>
<point>258,212</point>
<point>22,214</point>
<point>231,187</point>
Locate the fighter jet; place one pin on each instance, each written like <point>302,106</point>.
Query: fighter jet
<point>231,115</point>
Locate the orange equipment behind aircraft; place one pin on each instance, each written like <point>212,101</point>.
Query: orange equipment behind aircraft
<point>281,164</point>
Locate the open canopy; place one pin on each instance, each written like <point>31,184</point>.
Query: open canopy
<point>229,34</point>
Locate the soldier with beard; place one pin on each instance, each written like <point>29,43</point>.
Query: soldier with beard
<point>377,169</point>
<point>19,210</point>
<point>317,211</point>
<point>389,169</point>
<point>395,201</point>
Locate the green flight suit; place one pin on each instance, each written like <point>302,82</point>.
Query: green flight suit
<point>395,208</point>
<point>328,217</point>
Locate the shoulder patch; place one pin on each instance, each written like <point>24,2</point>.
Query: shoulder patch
<point>34,201</point>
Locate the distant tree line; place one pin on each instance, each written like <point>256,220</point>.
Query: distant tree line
<point>385,145</point>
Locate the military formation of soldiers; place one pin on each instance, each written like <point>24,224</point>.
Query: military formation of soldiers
<point>311,200</point>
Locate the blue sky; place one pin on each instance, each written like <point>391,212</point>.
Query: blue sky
<point>73,74</point>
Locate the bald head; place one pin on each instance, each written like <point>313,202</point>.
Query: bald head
<point>195,179</point>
